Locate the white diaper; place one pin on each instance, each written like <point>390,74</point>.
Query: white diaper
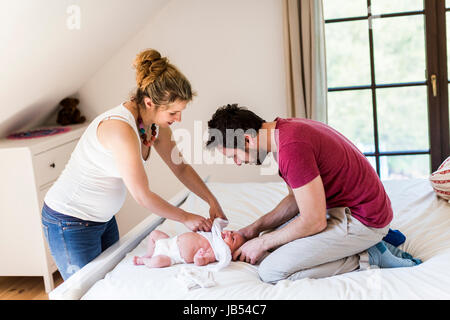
<point>168,247</point>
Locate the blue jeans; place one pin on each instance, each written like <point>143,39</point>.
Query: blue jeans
<point>74,242</point>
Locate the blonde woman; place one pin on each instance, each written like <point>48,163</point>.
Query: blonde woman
<point>78,213</point>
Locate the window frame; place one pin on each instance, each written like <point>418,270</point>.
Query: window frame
<point>436,64</point>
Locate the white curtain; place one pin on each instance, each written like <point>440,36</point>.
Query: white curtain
<point>306,59</point>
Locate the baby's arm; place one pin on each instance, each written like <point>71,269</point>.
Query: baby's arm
<point>203,257</point>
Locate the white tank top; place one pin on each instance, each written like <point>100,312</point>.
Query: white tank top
<point>90,186</point>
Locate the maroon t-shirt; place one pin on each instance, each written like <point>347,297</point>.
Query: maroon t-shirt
<point>308,148</point>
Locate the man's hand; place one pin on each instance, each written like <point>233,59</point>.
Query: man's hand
<point>253,251</point>
<point>249,232</point>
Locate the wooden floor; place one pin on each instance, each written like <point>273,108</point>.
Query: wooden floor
<point>25,288</point>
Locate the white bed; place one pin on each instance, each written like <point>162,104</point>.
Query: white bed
<point>418,213</point>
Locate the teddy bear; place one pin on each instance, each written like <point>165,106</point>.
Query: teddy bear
<point>69,114</point>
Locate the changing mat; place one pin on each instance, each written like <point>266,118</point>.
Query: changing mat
<point>418,213</point>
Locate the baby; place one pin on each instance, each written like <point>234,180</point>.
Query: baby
<point>163,251</point>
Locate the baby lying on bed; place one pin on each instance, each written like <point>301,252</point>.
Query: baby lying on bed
<point>200,248</point>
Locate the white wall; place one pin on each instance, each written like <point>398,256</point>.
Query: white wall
<point>45,57</point>
<point>231,51</point>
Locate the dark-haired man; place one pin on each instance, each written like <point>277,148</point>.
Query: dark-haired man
<point>336,208</point>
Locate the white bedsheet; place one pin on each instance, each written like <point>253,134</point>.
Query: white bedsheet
<point>418,213</point>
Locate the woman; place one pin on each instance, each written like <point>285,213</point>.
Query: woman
<point>78,213</point>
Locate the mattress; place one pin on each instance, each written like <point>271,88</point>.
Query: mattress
<point>418,213</point>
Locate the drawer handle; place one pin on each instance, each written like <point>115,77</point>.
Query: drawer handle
<point>52,165</point>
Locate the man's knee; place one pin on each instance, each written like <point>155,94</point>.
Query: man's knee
<point>270,274</point>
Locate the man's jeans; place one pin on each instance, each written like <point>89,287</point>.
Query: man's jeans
<point>340,248</point>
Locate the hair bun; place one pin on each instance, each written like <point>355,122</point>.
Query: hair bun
<point>149,66</point>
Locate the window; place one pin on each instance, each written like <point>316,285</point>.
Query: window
<point>385,90</point>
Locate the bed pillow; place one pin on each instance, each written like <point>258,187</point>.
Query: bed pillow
<point>440,180</point>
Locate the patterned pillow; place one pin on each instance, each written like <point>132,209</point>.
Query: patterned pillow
<point>440,180</point>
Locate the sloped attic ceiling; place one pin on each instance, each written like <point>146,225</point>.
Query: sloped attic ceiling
<point>50,48</point>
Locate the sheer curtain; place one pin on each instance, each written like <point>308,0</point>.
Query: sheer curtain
<point>306,60</point>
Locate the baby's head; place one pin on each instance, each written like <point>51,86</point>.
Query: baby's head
<point>233,239</point>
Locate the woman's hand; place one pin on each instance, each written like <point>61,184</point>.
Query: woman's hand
<point>195,222</point>
<point>215,211</point>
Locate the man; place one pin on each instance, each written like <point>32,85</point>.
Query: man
<point>336,208</point>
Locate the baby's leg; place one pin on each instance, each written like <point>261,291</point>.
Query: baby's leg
<point>154,236</point>
<point>159,261</point>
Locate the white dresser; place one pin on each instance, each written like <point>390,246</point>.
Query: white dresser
<point>28,168</point>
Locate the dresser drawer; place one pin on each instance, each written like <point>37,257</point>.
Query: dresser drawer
<point>48,165</point>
